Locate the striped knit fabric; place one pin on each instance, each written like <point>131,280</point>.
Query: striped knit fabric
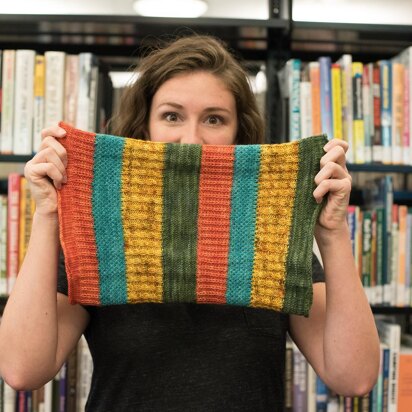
<point>161,222</point>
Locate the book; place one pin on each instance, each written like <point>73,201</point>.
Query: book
<point>3,245</point>
<point>367,107</point>
<point>300,372</point>
<point>398,88</point>
<point>294,68</point>
<point>13,229</point>
<point>358,120</point>
<point>326,95</point>
<point>377,148</point>
<point>54,91</point>
<point>71,89</point>
<point>345,63</point>
<point>305,104</point>
<point>7,110</point>
<point>386,109</point>
<point>390,333</point>
<point>404,399</point>
<point>39,100</point>
<point>23,102</point>
<point>336,82</point>
<point>314,76</point>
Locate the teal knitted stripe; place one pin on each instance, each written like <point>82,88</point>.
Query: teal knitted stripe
<point>106,204</point>
<point>305,214</point>
<point>242,224</point>
<point>180,211</point>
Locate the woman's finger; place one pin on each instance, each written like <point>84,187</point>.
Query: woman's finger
<point>335,186</point>
<point>335,154</point>
<point>52,143</point>
<point>54,131</point>
<point>332,170</point>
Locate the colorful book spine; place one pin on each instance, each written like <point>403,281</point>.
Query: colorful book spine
<point>358,120</point>
<point>337,101</point>
<point>345,63</point>
<point>7,110</point>
<point>13,229</point>
<point>39,100</point>
<point>23,103</point>
<point>314,75</point>
<point>367,109</point>
<point>398,91</point>
<point>386,109</point>
<point>366,253</point>
<point>326,96</point>
<point>294,100</point>
<point>377,149</point>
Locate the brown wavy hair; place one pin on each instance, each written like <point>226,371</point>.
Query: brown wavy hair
<point>185,55</point>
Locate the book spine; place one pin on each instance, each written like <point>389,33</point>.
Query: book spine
<point>394,252</point>
<point>305,106</point>
<point>294,102</point>
<point>39,96</point>
<point>54,92</point>
<point>13,230</point>
<point>23,103</point>
<point>7,112</point>
<point>367,113</point>
<point>358,120</point>
<point>386,109</point>
<point>347,103</point>
<point>406,152</point>
<point>326,96</point>
<point>314,75</point>
<point>397,111</point>
<point>83,93</point>
<point>380,218</point>
<point>3,245</point>
<point>401,258</point>
<point>377,149</point>
<point>299,381</point>
<point>366,253</point>
<point>71,89</point>
<point>336,80</point>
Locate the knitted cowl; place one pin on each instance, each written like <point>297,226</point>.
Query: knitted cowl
<point>145,221</point>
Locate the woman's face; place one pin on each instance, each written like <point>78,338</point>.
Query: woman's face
<point>193,108</point>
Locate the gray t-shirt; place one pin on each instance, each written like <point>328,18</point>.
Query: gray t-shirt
<point>186,357</point>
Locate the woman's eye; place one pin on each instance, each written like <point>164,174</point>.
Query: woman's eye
<point>214,120</point>
<point>171,117</point>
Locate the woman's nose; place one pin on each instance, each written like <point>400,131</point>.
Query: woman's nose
<point>191,134</point>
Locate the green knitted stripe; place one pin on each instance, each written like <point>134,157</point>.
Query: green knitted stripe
<point>106,201</point>
<point>305,213</point>
<point>180,211</point>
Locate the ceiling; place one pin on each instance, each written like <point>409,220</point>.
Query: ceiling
<point>248,9</point>
<point>348,11</point>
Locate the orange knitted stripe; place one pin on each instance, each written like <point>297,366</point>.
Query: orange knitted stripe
<point>214,222</point>
<point>77,236</point>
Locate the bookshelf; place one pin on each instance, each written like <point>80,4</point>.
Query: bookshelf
<point>119,40</point>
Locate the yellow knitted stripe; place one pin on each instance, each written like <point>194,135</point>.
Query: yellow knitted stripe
<point>142,210</point>
<point>276,189</point>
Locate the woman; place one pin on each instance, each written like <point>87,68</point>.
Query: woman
<point>185,356</point>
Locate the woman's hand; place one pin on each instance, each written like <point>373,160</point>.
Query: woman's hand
<point>334,181</point>
<point>46,172</point>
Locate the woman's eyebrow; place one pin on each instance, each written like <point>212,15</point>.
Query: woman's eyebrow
<point>173,104</point>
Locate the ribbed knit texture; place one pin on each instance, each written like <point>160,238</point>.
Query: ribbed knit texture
<point>161,222</point>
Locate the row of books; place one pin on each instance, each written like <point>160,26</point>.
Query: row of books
<point>381,234</point>
<point>305,391</point>
<point>16,216</point>
<point>67,392</point>
<point>366,104</point>
<point>41,90</point>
